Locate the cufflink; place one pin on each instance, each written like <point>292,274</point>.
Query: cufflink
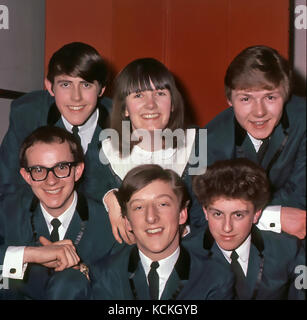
<point>272,225</point>
<point>12,270</point>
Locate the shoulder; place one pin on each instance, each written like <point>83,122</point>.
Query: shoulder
<point>111,264</point>
<point>280,243</point>
<point>106,102</point>
<point>225,116</point>
<point>296,111</point>
<point>37,99</point>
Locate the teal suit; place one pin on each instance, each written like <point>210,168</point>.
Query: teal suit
<point>285,158</point>
<point>37,109</point>
<point>272,261</point>
<point>22,222</point>
<point>121,277</point>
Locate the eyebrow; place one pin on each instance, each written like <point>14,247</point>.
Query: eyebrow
<point>158,197</point>
<point>56,164</point>
<point>249,93</point>
<point>233,212</point>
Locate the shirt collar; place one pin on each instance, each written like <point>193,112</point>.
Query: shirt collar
<point>65,217</point>
<point>166,265</point>
<point>88,125</point>
<point>242,251</point>
<point>256,142</point>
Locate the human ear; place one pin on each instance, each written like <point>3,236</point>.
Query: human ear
<point>49,86</point>
<point>79,170</point>
<point>128,224</point>
<point>205,212</point>
<point>183,216</point>
<point>257,216</point>
<point>101,91</point>
<point>26,176</point>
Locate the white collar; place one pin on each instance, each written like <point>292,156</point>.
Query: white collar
<point>88,125</point>
<point>242,251</point>
<point>256,142</point>
<point>65,217</point>
<point>166,265</point>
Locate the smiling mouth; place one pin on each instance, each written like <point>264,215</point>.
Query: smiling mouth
<point>150,116</point>
<point>259,124</point>
<point>154,231</point>
<point>55,191</point>
<point>76,108</point>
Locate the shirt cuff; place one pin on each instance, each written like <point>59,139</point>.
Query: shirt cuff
<point>270,219</point>
<point>13,266</point>
<point>103,199</point>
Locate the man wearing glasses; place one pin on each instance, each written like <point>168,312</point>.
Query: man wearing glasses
<point>51,161</point>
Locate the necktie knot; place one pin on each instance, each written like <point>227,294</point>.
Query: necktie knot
<point>75,132</point>
<point>54,236</point>
<point>234,256</point>
<point>262,150</point>
<point>56,223</point>
<point>154,265</point>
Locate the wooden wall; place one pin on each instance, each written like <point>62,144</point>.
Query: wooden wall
<point>196,39</point>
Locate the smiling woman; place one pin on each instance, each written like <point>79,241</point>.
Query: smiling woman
<point>147,99</point>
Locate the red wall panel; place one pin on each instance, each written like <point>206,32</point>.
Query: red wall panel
<point>196,39</point>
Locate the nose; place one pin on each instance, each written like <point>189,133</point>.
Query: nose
<point>259,108</point>
<point>51,178</point>
<point>76,94</point>
<point>150,100</point>
<point>227,225</point>
<point>152,215</point>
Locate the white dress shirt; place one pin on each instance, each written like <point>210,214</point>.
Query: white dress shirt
<point>86,131</point>
<point>243,253</point>
<point>13,259</point>
<point>164,270</point>
<point>270,217</point>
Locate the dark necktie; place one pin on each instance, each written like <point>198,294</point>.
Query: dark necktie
<point>262,150</point>
<point>54,236</point>
<point>153,280</point>
<point>75,132</point>
<point>237,270</point>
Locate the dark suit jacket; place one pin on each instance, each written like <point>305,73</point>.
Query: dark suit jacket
<point>285,159</point>
<point>22,222</point>
<point>37,109</point>
<point>122,277</point>
<point>277,255</point>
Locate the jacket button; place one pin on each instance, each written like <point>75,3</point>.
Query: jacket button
<point>12,270</point>
<point>272,225</point>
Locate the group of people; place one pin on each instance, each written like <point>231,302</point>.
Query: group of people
<point>118,199</point>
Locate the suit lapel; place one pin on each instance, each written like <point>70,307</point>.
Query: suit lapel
<point>78,222</point>
<point>39,225</point>
<point>255,264</point>
<point>137,278</point>
<point>178,277</point>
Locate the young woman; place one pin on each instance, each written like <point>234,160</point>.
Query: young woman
<point>148,119</point>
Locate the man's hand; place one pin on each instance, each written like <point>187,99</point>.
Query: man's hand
<point>117,221</point>
<point>293,221</point>
<point>59,255</point>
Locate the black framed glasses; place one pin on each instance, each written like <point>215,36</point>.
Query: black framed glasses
<point>61,170</point>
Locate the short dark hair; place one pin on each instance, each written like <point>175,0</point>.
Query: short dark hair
<point>78,59</point>
<point>234,179</point>
<point>50,134</point>
<point>140,176</point>
<point>258,67</point>
<point>136,77</point>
